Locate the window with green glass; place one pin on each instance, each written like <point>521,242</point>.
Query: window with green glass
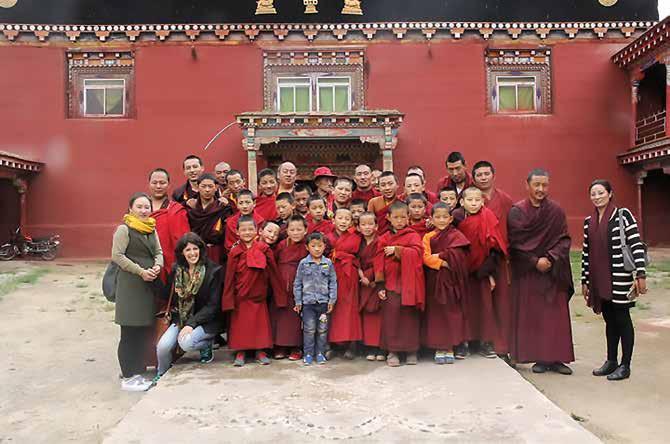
<point>516,94</point>
<point>104,97</point>
<point>334,94</point>
<point>294,95</point>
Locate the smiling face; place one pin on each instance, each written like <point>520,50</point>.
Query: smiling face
<point>270,233</point>
<point>141,208</point>
<point>342,220</point>
<point>246,204</point>
<point>191,253</point>
<point>363,177</point>
<point>158,185</point>
<point>246,231</point>
<point>296,231</point>
<point>441,218</point>
<point>472,201</point>
<point>413,184</point>
<point>207,189</point>
<point>193,169</point>
<point>284,209</point>
<point>267,185</point>
<point>600,197</point>
<point>483,177</point>
<point>235,183</point>
<point>417,210</point>
<point>343,192</point>
<point>367,225</point>
<point>388,186</point>
<point>317,209</point>
<point>399,218</point>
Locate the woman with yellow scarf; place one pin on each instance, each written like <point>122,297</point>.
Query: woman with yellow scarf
<point>137,251</point>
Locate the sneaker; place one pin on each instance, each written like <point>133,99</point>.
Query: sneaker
<point>449,358</point>
<point>308,359</point>
<point>560,368</point>
<point>349,355</point>
<point>296,355</point>
<point>411,359</point>
<point>461,351</point>
<point>487,351</point>
<point>206,355</point>
<point>280,354</point>
<point>155,379</point>
<point>239,359</point>
<point>262,358</point>
<point>320,359</point>
<point>135,383</point>
<point>330,354</point>
<point>381,357</point>
<point>392,360</point>
<point>440,357</point>
<point>371,357</point>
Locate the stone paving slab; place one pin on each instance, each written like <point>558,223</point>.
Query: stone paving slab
<point>476,400</point>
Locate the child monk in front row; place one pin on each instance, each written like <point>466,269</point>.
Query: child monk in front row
<point>399,273</point>
<point>445,255</point>
<point>250,272</point>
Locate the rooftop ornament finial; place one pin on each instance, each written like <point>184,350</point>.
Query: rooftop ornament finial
<point>265,7</point>
<point>352,7</point>
<point>310,6</point>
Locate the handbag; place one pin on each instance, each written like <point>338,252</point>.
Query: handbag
<point>109,281</point>
<point>628,259</point>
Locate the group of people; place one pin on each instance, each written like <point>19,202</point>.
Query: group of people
<point>374,265</point>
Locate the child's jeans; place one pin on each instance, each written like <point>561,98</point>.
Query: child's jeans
<point>315,328</point>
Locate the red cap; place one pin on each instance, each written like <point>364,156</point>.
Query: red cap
<point>323,172</point>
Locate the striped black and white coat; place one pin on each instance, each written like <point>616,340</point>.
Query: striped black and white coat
<point>622,281</point>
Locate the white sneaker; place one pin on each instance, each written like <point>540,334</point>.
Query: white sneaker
<point>135,383</point>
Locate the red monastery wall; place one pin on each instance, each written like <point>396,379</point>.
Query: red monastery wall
<point>92,166</point>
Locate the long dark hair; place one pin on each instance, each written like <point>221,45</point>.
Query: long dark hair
<point>190,238</point>
<point>139,195</point>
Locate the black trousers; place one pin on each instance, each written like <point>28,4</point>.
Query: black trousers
<point>132,349</point>
<point>619,328</point>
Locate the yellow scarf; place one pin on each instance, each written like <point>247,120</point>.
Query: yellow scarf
<point>143,226</point>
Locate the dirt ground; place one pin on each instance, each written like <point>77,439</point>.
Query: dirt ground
<point>59,371</point>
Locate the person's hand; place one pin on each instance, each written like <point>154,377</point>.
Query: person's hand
<point>148,275</point>
<point>444,264</point>
<point>192,202</point>
<point>187,330</point>
<point>543,265</point>
<point>365,281</point>
<point>297,308</point>
<point>641,285</point>
<point>223,201</point>
<point>389,251</point>
<point>156,269</point>
<point>429,224</point>
<point>492,283</point>
<point>382,294</point>
<point>585,292</point>
<point>330,308</point>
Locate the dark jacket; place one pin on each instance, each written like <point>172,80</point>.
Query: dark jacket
<point>207,309</point>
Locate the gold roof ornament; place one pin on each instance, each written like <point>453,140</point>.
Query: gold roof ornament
<point>310,6</point>
<point>265,7</point>
<point>8,3</point>
<point>352,7</point>
<point>607,2</point>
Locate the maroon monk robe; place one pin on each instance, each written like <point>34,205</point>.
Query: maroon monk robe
<point>402,274</point>
<point>446,182</point>
<point>420,227</point>
<point>210,223</point>
<point>286,323</point>
<point>383,224</point>
<point>231,228</point>
<point>266,207</point>
<point>171,225</point>
<point>368,301</point>
<point>487,246</point>
<point>500,203</point>
<point>250,273</point>
<point>444,325</point>
<point>324,227</point>
<point>184,193</point>
<point>345,322</point>
<point>543,330</point>
<point>365,195</point>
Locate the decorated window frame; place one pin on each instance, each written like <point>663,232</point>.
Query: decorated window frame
<point>94,78</point>
<point>529,66</point>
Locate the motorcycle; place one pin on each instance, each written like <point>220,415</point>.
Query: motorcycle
<point>24,245</point>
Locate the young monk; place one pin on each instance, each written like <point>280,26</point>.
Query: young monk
<point>269,233</point>
<point>316,220</point>
<point>445,256</point>
<point>369,303</point>
<point>267,189</point>
<point>250,272</point>
<point>285,207</point>
<point>286,329</point>
<point>234,184</point>
<point>388,187</point>
<point>357,207</point>
<point>301,195</point>
<point>415,183</point>
<point>399,273</point>
<point>449,197</point>
<point>487,251</point>
<point>345,326</point>
<point>208,217</point>
<point>246,206</point>
<point>418,221</point>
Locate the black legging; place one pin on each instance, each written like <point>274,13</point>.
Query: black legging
<point>132,348</point>
<point>618,326</point>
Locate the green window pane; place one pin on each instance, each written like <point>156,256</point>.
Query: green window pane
<point>114,103</point>
<point>326,99</point>
<point>506,98</point>
<point>286,100</point>
<point>341,98</point>
<point>95,99</point>
<point>525,98</point>
<point>302,99</point>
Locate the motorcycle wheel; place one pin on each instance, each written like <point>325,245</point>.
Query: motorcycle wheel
<point>8,252</point>
<point>49,255</point>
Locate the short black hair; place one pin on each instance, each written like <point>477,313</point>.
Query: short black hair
<point>233,173</point>
<point>160,170</point>
<point>415,167</point>
<point>389,174</point>
<point>447,189</point>
<point>299,188</point>
<point>139,195</point>
<point>285,196</point>
<point>540,172</point>
<point>398,205</point>
<point>192,156</point>
<point>455,156</point>
<point>206,176</point>
<point>416,175</point>
<point>416,196</point>
<point>314,197</point>
<point>245,218</point>
<point>296,218</point>
<point>190,238</point>
<point>368,214</point>
<point>602,182</point>
<point>317,235</point>
<point>266,172</point>
<point>357,202</point>
<point>439,206</point>
<point>483,164</point>
<point>246,192</point>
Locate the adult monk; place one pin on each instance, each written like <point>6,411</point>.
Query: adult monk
<point>496,200</point>
<point>542,279</point>
<point>388,187</point>
<point>363,179</point>
<point>287,173</point>
<point>457,177</point>
<point>193,168</point>
<point>208,217</point>
<point>234,183</point>
<point>220,171</point>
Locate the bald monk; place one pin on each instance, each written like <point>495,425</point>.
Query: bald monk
<point>220,171</point>
<point>287,174</point>
<point>363,179</point>
<point>542,280</point>
<point>388,187</point>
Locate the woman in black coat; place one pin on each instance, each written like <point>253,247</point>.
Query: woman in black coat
<point>195,284</point>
